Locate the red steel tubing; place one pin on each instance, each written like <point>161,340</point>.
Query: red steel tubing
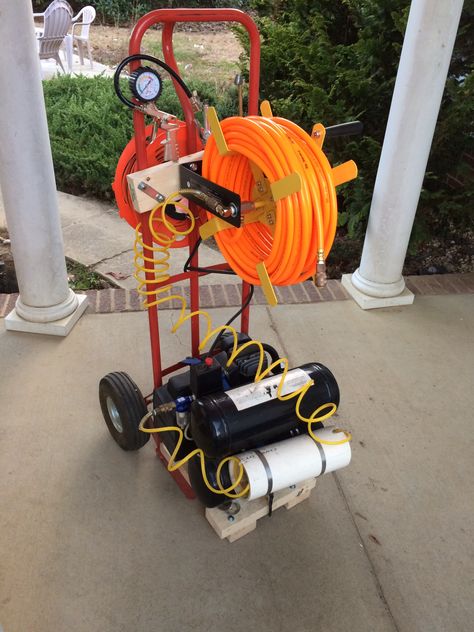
<point>169,17</point>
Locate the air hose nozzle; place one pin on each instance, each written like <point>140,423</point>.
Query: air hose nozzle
<point>320,278</point>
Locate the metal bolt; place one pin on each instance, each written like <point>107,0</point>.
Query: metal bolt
<point>292,486</point>
<point>226,211</point>
<point>147,178</point>
<point>230,507</point>
<point>193,166</point>
<point>233,209</point>
<point>159,197</point>
<point>141,186</point>
<point>230,518</point>
<point>188,184</point>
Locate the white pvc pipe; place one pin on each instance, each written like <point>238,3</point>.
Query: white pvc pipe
<point>279,465</point>
<point>26,174</point>
<point>427,49</point>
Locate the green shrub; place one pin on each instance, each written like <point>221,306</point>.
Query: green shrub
<point>89,127</point>
<point>125,12</point>
<point>335,61</point>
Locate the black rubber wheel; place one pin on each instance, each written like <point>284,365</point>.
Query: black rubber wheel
<point>123,407</point>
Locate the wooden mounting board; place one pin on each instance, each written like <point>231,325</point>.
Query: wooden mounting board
<point>164,178</point>
<point>245,520</point>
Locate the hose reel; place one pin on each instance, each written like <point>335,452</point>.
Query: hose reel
<point>270,194</point>
<point>290,208</point>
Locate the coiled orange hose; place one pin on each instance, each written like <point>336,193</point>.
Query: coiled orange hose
<point>305,221</point>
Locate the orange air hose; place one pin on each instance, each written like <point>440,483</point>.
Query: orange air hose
<point>305,221</point>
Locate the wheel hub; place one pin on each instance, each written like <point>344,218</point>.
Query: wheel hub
<point>114,414</point>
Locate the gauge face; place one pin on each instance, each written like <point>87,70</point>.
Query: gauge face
<point>145,84</point>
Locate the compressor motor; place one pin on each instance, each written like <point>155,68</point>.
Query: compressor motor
<point>224,412</point>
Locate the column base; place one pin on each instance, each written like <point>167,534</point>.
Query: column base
<point>373,302</point>
<point>47,314</point>
<point>61,327</point>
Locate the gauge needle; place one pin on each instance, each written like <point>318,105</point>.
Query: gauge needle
<point>147,84</point>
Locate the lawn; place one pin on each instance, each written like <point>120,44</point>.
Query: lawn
<point>207,55</point>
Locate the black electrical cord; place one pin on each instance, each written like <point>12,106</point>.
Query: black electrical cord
<point>231,320</point>
<point>154,60</point>
<point>275,357</point>
<point>189,268</point>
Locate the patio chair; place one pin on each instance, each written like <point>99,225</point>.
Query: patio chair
<point>57,21</point>
<point>39,29</point>
<point>86,16</point>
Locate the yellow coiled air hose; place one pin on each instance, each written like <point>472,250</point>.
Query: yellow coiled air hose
<point>159,255</point>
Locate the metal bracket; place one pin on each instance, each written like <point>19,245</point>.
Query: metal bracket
<point>217,132</point>
<point>221,202</point>
<point>266,284</point>
<point>153,193</point>
<point>144,185</point>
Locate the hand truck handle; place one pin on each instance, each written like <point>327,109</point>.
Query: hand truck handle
<point>169,17</point>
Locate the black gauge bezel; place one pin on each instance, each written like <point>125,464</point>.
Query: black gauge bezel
<point>134,79</point>
<point>153,60</point>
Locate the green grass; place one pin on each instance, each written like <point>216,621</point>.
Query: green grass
<point>205,65</point>
<point>81,277</point>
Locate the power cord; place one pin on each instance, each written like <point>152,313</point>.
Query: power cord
<point>189,268</point>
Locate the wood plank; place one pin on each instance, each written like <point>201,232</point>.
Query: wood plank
<point>234,527</point>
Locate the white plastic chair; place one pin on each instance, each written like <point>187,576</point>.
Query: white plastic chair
<point>57,21</point>
<point>84,19</point>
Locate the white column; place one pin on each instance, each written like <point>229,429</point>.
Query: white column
<point>426,54</point>
<point>46,304</point>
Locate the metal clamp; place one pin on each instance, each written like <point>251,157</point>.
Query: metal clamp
<point>153,193</point>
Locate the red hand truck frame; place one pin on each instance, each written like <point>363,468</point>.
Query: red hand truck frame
<point>168,18</point>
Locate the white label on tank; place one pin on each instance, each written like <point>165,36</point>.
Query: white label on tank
<point>266,390</point>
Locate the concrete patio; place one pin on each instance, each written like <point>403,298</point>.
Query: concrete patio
<point>50,69</point>
<point>97,540</point>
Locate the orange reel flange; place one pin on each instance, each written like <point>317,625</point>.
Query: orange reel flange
<point>127,164</point>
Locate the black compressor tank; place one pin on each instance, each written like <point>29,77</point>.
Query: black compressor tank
<point>251,415</point>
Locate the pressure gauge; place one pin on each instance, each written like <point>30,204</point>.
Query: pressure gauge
<point>145,84</point>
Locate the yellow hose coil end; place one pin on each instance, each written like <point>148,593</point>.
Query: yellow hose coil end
<point>318,133</point>
<point>344,173</point>
<point>266,109</point>
<point>266,284</point>
<point>217,133</point>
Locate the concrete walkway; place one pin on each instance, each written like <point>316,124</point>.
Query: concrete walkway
<point>97,540</point>
<point>96,236</point>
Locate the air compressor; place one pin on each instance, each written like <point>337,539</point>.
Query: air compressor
<point>223,420</point>
<point>235,416</point>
